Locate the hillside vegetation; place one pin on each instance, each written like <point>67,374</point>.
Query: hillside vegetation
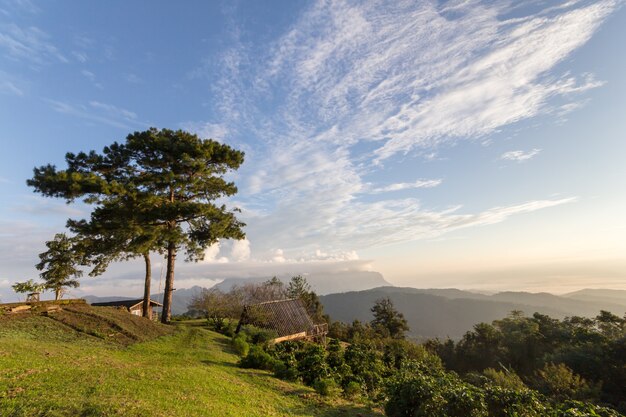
<point>88,361</point>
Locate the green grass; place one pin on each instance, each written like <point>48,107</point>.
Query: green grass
<point>49,369</point>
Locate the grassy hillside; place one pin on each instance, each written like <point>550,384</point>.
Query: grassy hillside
<point>49,367</point>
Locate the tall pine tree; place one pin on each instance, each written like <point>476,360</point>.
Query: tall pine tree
<point>173,178</point>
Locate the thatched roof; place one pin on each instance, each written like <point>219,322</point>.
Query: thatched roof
<point>285,317</point>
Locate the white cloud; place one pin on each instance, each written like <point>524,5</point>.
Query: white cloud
<point>207,130</point>
<point>10,88</point>
<point>406,186</point>
<point>114,110</point>
<point>89,75</point>
<point>96,111</point>
<point>352,85</point>
<point>212,255</point>
<point>519,156</point>
<point>29,44</point>
<point>240,250</point>
<point>278,256</point>
<point>80,56</point>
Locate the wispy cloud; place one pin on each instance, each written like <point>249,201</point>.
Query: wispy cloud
<point>96,111</point>
<point>406,186</point>
<point>7,87</point>
<point>519,156</point>
<point>29,44</point>
<point>216,131</point>
<point>353,85</point>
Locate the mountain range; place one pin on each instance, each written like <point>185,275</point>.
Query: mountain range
<point>321,283</point>
<point>451,312</point>
<point>430,313</point>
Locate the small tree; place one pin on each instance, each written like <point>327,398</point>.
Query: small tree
<point>217,306</point>
<point>28,287</point>
<point>388,322</point>
<point>59,264</point>
<point>299,287</point>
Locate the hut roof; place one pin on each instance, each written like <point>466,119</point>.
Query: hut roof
<point>285,317</point>
<point>126,303</point>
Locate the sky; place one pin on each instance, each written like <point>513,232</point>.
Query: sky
<point>468,144</point>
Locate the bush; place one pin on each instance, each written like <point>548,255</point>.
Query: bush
<point>312,364</point>
<point>240,345</point>
<point>352,390</point>
<point>257,358</point>
<point>561,383</point>
<point>325,387</point>
<point>433,394</point>
<point>366,366</point>
<point>258,336</point>
<point>508,379</point>
<point>577,409</point>
<point>223,326</point>
<point>503,402</point>
<point>286,371</point>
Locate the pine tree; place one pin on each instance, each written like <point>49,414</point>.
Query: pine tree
<point>387,320</point>
<point>60,264</point>
<point>174,177</point>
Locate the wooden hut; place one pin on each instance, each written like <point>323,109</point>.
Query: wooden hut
<point>289,319</point>
<point>134,307</point>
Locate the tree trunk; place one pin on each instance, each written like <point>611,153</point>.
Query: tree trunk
<point>147,310</point>
<point>169,284</point>
<point>57,293</point>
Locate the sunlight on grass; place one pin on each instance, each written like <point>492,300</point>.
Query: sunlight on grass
<point>48,371</point>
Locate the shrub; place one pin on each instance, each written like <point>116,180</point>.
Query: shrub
<point>433,394</point>
<point>503,402</point>
<point>561,383</point>
<point>312,364</point>
<point>285,370</point>
<point>223,326</point>
<point>240,345</point>
<point>258,336</point>
<point>257,358</point>
<point>352,390</point>
<point>504,379</point>
<point>366,366</point>
<point>577,409</point>
<point>326,387</point>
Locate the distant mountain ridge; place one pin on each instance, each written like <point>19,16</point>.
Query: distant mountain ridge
<point>321,283</point>
<point>451,312</point>
<point>435,312</point>
<point>599,295</point>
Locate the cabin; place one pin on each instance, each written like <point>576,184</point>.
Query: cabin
<point>134,307</point>
<point>289,319</point>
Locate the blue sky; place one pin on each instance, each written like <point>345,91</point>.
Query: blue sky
<point>468,144</point>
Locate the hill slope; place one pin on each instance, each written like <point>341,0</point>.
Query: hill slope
<point>50,369</point>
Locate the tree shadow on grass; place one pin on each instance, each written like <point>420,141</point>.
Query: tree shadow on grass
<point>219,363</point>
<point>340,410</point>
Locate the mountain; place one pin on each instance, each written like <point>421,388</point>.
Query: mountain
<point>450,312</point>
<point>617,297</point>
<point>322,283</point>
